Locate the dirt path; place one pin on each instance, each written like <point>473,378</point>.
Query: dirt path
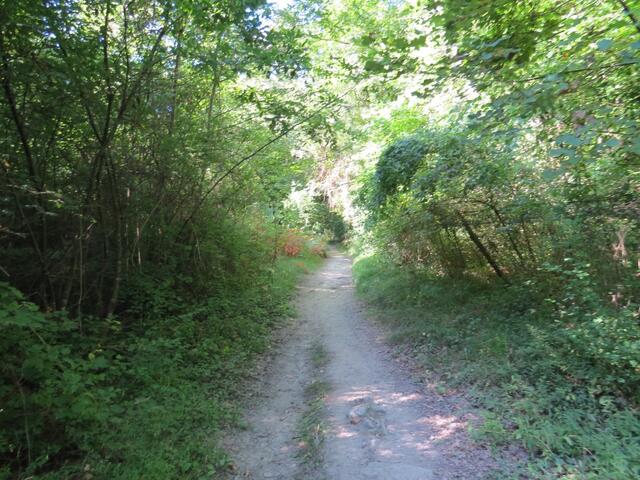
<point>379,424</point>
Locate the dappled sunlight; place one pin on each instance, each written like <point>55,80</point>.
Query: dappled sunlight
<point>354,395</point>
<point>189,187</point>
<point>406,432</point>
<point>443,426</point>
<point>401,397</point>
<point>377,424</point>
<point>380,396</point>
<point>344,433</point>
<point>386,453</point>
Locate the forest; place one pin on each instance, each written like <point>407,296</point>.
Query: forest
<point>171,168</point>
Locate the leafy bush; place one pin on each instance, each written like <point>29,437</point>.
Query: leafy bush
<point>56,386</point>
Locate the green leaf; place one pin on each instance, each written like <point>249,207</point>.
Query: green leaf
<point>374,66</point>
<point>613,143</point>
<point>635,146</point>
<point>22,317</point>
<point>635,45</point>
<point>604,44</point>
<point>495,43</point>
<point>400,43</point>
<point>551,174</point>
<point>556,152</point>
<point>419,41</point>
<point>99,363</point>
<point>366,40</point>
<point>569,139</point>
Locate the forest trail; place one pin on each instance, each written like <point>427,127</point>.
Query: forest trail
<point>378,424</point>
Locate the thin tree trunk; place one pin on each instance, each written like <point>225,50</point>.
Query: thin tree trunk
<point>215,83</point>
<point>630,14</point>
<point>174,87</point>
<point>454,239</point>
<point>17,118</point>
<point>483,250</point>
<point>66,293</point>
<point>118,213</point>
<point>526,234</point>
<point>512,240</point>
<point>39,246</point>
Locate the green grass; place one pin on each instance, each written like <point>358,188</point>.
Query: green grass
<point>508,354</point>
<point>319,356</point>
<point>311,426</point>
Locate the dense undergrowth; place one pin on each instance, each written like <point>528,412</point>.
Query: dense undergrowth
<point>565,387</point>
<point>141,395</point>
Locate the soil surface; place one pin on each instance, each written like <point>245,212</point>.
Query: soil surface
<point>379,424</point>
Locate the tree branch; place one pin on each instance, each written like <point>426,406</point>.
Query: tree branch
<point>253,154</point>
<point>630,14</point>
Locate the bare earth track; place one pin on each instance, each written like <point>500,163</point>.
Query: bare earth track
<point>379,425</point>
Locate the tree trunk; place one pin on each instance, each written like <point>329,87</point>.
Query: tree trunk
<point>174,87</point>
<point>483,250</point>
<point>512,240</point>
<point>630,14</point>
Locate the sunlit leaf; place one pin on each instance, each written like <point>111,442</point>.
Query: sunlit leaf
<point>604,44</point>
<point>569,139</point>
<point>556,152</point>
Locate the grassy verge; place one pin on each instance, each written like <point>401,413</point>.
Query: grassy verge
<point>193,381</point>
<point>170,428</point>
<point>502,348</point>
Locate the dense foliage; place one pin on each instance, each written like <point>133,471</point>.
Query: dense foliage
<point>120,400</point>
<point>160,158</point>
<point>502,212</point>
<point>553,390</point>
<point>125,133</point>
<point>141,256</point>
<point>534,181</point>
